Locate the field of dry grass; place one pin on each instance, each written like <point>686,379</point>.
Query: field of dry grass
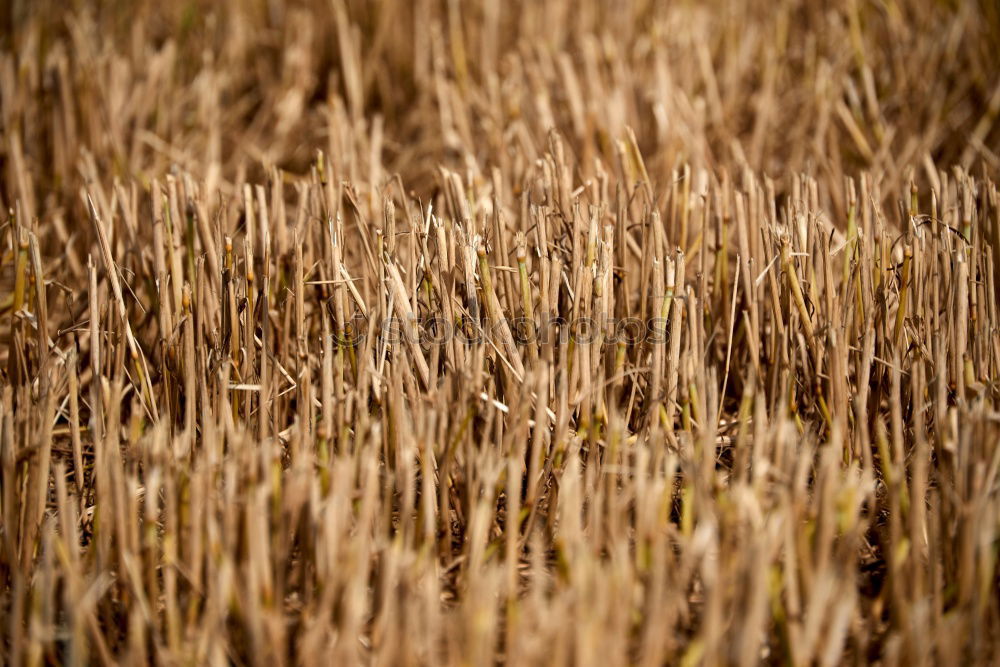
<point>588,332</point>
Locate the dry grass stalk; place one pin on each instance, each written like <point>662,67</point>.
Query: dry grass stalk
<point>431,332</point>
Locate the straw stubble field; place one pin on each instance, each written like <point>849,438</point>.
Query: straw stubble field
<point>425,332</point>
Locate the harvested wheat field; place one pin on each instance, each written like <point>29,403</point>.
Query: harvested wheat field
<point>420,332</point>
